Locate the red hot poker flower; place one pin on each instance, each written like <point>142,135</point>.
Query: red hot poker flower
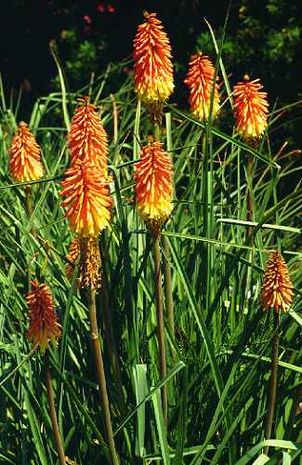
<point>277,289</point>
<point>202,90</point>
<point>43,328</point>
<point>25,163</point>
<point>251,108</point>
<point>154,186</point>
<point>87,200</point>
<point>153,67</point>
<point>87,139</point>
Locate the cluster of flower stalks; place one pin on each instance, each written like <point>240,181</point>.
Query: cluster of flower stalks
<point>88,204</point>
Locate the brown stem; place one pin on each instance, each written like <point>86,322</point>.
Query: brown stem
<point>101,377</point>
<point>53,414</point>
<point>168,284</point>
<point>271,398</point>
<point>160,321</point>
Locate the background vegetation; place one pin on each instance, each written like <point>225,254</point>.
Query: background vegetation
<point>219,356</point>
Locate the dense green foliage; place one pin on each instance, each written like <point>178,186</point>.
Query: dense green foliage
<point>219,356</point>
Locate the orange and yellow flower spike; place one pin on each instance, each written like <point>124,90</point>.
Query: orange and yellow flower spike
<point>154,186</point>
<point>251,108</point>
<point>200,81</point>
<point>25,162</point>
<point>277,288</point>
<point>87,139</point>
<point>87,199</point>
<point>44,327</point>
<point>153,69</point>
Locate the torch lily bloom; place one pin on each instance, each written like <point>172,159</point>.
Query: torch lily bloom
<point>153,67</point>
<point>44,328</point>
<point>277,288</point>
<point>87,200</point>
<point>87,139</point>
<point>251,108</point>
<point>154,186</point>
<point>25,163</point>
<point>203,91</point>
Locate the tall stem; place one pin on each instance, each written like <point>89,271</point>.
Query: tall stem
<point>28,201</point>
<point>250,203</point>
<point>271,399</point>
<point>160,321</point>
<point>166,263</point>
<point>168,284</point>
<point>53,414</point>
<point>101,377</point>
<point>111,342</point>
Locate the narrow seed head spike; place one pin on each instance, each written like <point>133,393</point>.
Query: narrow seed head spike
<point>88,252</point>
<point>277,288</point>
<point>153,69</point>
<point>25,162</point>
<point>251,108</point>
<point>154,186</point>
<point>44,328</point>
<point>87,199</point>
<point>200,81</point>
<point>87,139</point>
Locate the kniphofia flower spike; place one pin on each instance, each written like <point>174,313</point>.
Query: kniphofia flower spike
<point>25,162</point>
<point>277,288</point>
<point>203,91</point>
<point>153,69</point>
<point>44,327</point>
<point>251,108</point>
<point>154,186</point>
<point>87,139</point>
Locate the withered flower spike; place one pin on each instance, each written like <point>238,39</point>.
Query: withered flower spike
<point>277,288</point>
<point>154,186</point>
<point>44,328</point>
<point>87,139</point>
<point>251,109</point>
<point>203,91</point>
<point>25,162</point>
<point>153,69</point>
<point>87,199</point>
<point>87,251</point>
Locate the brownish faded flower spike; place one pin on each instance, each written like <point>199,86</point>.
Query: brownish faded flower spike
<point>43,328</point>
<point>87,199</point>
<point>277,288</point>
<point>88,252</point>
<point>251,108</point>
<point>203,92</point>
<point>154,186</point>
<point>153,69</point>
<point>25,163</point>
<point>87,139</point>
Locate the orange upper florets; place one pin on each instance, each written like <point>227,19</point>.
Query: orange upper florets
<point>251,108</point>
<point>203,92</point>
<point>43,328</point>
<point>25,163</point>
<point>87,139</point>
<point>153,67</point>
<point>154,185</point>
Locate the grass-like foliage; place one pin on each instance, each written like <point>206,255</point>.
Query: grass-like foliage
<point>217,354</point>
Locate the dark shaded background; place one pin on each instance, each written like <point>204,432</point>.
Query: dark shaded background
<point>263,39</point>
